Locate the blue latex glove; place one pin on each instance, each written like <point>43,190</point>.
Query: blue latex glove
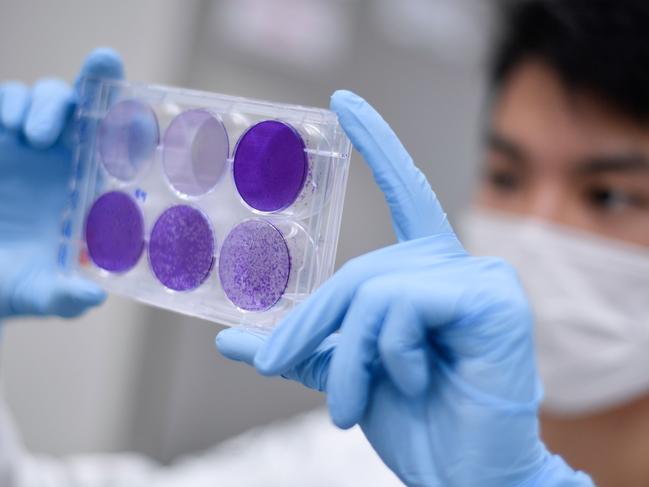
<point>35,169</point>
<point>434,358</point>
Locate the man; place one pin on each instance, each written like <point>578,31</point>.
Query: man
<point>568,144</point>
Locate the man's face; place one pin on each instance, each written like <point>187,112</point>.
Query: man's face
<point>566,158</point>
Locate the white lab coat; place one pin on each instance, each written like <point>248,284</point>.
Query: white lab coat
<point>305,451</point>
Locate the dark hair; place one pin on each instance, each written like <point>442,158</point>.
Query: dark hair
<point>597,46</point>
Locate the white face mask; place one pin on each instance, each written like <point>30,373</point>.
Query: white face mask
<point>591,303</point>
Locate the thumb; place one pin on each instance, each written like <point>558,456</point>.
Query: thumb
<point>243,345</point>
<point>56,295</point>
<point>239,345</point>
<point>103,62</point>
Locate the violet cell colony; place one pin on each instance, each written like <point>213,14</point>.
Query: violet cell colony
<point>270,166</point>
<point>195,152</point>
<point>115,232</point>
<point>126,138</point>
<point>254,265</point>
<point>181,248</point>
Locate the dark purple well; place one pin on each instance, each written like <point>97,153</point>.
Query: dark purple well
<point>270,165</point>
<point>126,138</point>
<point>254,265</point>
<point>115,232</point>
<point>195,151</point>
<point>181,248</point>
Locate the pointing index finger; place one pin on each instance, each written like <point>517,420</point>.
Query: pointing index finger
<point>415,210</point>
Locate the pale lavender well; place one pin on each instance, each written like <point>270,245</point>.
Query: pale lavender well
<point>126,138</point>
<point>270,165</point>
<point>254,265</point>
<point>114,232</point>
<point>195,151</point>
<point>181,248</point>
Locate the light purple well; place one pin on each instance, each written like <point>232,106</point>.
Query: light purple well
<point>126,138</point>
<point>254,265</point>
<point>181,248</point>
<point>270,165</point>
<point>115,232</point>
<point>195,152</point>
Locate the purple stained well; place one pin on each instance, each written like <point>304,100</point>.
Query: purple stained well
<point>126,138</point>
<point>195,152</point>
<point>181,248</point>
<point>270,165</point>
<point>115,232</point>
<point>254,265</point>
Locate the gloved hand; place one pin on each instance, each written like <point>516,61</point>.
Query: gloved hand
<point>35,169</point>
<point>434,358</point>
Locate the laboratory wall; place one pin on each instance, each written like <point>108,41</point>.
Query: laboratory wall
<point>131,377</point>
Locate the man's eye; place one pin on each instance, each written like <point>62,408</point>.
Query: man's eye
<point>503,180</point>
<point>612,199</point>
